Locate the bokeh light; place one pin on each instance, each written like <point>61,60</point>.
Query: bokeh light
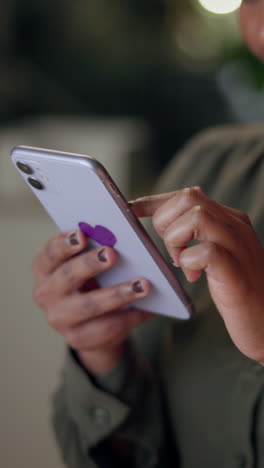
<point>220,7</point>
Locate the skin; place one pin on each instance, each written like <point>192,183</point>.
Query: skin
<point>252,25</point>
<point>228,251</point>
<point>94,322</point>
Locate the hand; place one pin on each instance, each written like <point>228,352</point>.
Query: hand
<point>93,321</point>
<point>229,252</point>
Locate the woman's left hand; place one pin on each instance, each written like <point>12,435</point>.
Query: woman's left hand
<point>228,250</point>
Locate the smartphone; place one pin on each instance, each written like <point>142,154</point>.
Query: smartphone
<point>78,193</point>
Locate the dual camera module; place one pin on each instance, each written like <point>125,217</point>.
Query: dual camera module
<point>31,180</point>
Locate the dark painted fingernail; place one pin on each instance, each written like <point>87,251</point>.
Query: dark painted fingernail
<point>137,287</point>
<point>74,239</point>
<point>102,256</point>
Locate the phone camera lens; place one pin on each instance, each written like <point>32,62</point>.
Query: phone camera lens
<point>24,167</point>
<point>36,183</point>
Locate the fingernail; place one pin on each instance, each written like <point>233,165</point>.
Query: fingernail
<point>176,261</point>
<point>73,238</point>
<point>102,256</point>
<point>137,287</point>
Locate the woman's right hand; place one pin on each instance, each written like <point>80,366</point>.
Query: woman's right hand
<point>93,321</point>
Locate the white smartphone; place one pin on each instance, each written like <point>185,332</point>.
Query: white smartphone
<point>78,193</point>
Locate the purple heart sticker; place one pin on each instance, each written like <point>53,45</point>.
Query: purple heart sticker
<point>100,234</point>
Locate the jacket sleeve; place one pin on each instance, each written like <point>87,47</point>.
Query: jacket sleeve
<point>123,406</point>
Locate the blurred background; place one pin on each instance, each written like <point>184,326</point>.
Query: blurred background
<point>128,82</point>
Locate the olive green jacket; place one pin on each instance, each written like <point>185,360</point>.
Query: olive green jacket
<point>183,395</point>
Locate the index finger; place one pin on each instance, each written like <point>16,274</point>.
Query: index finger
<point>147,206</point>
<point>57,250</point>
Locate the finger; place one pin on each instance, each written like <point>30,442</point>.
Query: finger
<point>150,205</point>
<point>237,214</point>
<point>233,289</point>
<point>223,271</point>
<point>72,274</point>
<point>201,224</point>
<point>191,275</point>
<point>105,331</point>
<point>165,208</point>
<point>57,250</point>
<point>79,308</point>
<point>184,200</point>
<point>147,206</point>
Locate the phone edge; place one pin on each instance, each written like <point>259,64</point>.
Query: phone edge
<point>123,205</point>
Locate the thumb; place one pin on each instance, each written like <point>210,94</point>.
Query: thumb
<point>147,206</point>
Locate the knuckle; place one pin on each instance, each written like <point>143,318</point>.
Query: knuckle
<point>50,252</point>
<point>191,194</point>
<point>199,219</point>
<point>199,213</point>
<point>197,189</point>
<point>169,238</point>
<point>121,295</point>
<point>156,221</point>
<point>68,273</point>
<point>56,248</point>
<point>90,263</point>
<point>212,250</point>
<point>159,221</point>
<point>88,308</point>
<point>198,192</point>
